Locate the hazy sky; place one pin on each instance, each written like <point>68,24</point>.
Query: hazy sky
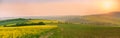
<point>14,8</point>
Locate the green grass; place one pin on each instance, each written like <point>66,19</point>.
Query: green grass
<point>21,22</point>
<point>60,31</point>
<point>85,31</point>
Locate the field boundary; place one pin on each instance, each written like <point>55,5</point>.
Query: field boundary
<point>47,34</point>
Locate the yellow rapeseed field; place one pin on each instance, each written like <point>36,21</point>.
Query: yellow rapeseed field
<point>25,31</point>
<point>45,21</point>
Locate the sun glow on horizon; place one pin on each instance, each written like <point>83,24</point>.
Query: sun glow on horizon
<point>109,5</point>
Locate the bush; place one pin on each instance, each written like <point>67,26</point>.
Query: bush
<point>25,24</point>
<point>41,23</point>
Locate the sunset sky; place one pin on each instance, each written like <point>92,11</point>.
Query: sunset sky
<point>14,8</point>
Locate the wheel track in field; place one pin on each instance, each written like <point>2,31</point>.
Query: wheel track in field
<point>47,35</point>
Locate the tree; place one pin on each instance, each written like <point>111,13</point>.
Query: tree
<point>41,23</point>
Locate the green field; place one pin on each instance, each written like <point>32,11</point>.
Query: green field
<point>33,28</point>
<point>85,31</point>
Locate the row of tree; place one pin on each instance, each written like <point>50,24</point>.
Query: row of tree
<point>25,24</point>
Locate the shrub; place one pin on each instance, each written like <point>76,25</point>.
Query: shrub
<point>25,24</point>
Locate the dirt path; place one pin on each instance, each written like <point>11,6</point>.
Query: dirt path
<point>46,35</point>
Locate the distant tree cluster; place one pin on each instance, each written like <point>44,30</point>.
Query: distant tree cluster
<point>25,24</point>
<point>9,20</point>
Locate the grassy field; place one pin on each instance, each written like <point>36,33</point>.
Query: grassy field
<point>53,29</point>
<point>85,31</point>
<point>26,28</point>
<point>25,31</point>
<point>60,31</point>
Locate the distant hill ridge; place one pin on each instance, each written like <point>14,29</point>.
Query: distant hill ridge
<point>115,14</point>
<point>112,18</point>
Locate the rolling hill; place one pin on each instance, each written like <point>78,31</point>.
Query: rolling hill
<point>108,19</point>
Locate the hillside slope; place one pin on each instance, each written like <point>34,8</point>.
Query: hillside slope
<point>109,19</point>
